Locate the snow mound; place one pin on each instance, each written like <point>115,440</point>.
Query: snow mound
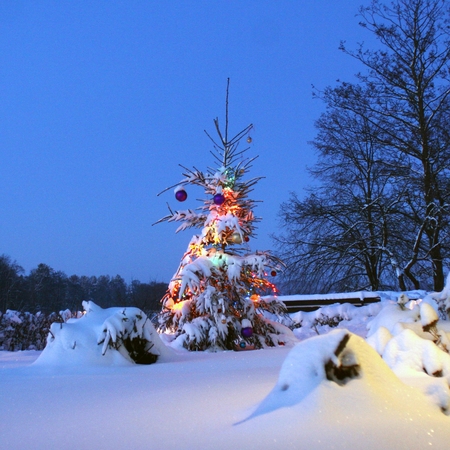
<point>340,370</point>
<point>112,336</point>
<point>390,317</point>
<point>421,363</point>
<point>415,344</point>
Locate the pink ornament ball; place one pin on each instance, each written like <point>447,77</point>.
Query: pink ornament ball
<point>247,332</point>
<point>181,195</point>
<point>219,199</point>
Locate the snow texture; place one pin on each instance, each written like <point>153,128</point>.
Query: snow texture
<point>334,390</point>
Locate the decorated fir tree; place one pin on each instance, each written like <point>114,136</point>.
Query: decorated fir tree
<point>220,295</point>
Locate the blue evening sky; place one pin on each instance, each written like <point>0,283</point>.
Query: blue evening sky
<point>101,100</point>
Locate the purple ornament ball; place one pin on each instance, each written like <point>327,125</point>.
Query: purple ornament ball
<point>219,199</point>
<point>247,332</point>
<point>181,195</point>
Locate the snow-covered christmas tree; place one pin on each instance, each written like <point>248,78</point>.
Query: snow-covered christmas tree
<point>220,295</point>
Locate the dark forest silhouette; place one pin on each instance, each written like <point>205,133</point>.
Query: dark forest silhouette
<point>47,290</point>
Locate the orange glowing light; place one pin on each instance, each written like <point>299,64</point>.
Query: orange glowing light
<point>196,249</point>
<point>177,306</point>
<point>255,298</point>
<point>227,192</point>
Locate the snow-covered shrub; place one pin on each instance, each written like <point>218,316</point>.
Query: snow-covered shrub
<point>329,372</point>
<point>441,300</point>
<point>415,344</point>
<point>332,316</point>
<point>130,332</point>
<point>26,331</point>
<point>402,300</point>
<point>104,337</point>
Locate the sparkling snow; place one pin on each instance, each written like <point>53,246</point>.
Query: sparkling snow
<point>276,398</point>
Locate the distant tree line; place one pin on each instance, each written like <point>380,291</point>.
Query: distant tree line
<point>47,290</point>
<point>378,216</point>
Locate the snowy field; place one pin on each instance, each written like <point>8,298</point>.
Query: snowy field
<point>277,398</point>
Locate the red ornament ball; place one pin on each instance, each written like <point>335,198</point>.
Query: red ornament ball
<point>246,238</point>
<point>219,199</point>
<point>273,273</point>
<point>181,195</point>
<point>247,332</point>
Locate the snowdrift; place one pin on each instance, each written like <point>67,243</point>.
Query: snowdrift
<point>341,380</point>
<point>343,364</point>
<point>333,390</point>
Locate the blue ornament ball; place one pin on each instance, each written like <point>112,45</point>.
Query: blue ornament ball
<point>219,199</point>
<point>181,195</point>
<point>242,344</point>
<point>247,332</point>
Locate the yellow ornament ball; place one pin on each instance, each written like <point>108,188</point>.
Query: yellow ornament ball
<point>236,238</point>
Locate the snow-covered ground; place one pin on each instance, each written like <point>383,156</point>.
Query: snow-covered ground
<point>332,390</point>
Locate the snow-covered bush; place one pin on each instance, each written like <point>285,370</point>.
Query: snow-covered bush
<point>130,332</point>
<point>406,329</point>
<point>104,337</point>
<point>330,372</point>
<point>332,316</point>
<point>441,300</point>
<point>26,331</point>
<point>415,344</point>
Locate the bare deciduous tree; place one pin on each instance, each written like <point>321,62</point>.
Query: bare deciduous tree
<point>401,109</point>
